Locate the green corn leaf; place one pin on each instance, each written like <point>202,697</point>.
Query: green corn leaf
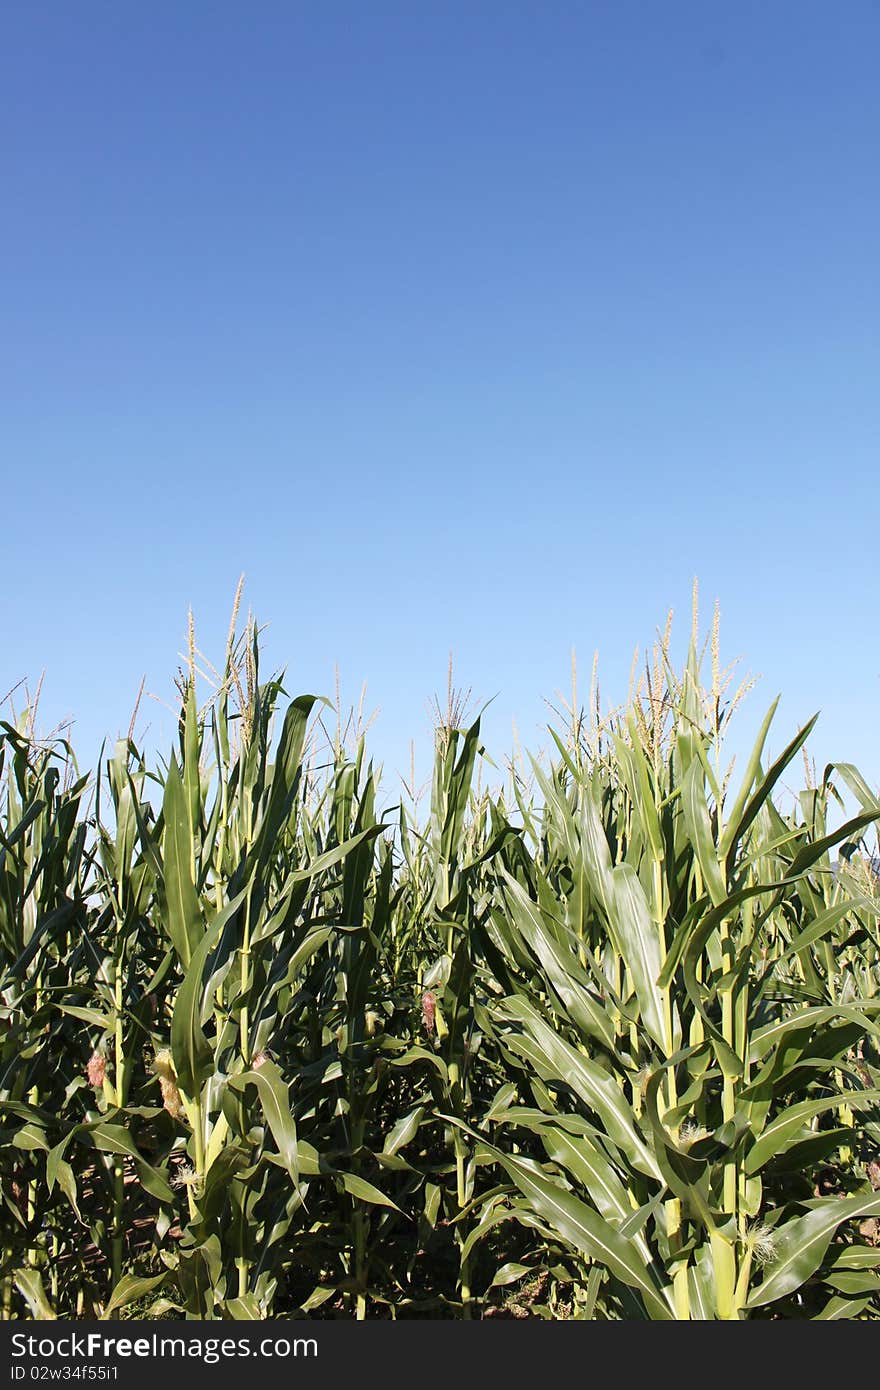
<point>59,1170</point>
<point>637,771</point>
<point>637,939</point>
<point>596,853</point>
<point>736,829</point>
<point>787,1128</point>
<point>510,1273</point>
<point>590,1166</point>
<point>459,790</point>
<point>192,782</point>
<point>183,914</point>
<point>365,1191</point>
<point>857,784</point>
<point>273,1093</point>
<point>806,857</point>
<point>130,1288</point>
<point>337,855</point>
<point>115,1139</point>
<point>818,929</point>
<point>837,1308</point>
<point>192,1053</point>
<point>285,777</point>
<point>801,1245</point>
<point>561,968</point>
<point>244,1309</point>
<point>586,1231</point>
<point>810,1021</point>
<point>699,827</point>
<point>405,1130</point>
<point>30,1285</point>
<point>733,829</point>
<point>559,1061</point>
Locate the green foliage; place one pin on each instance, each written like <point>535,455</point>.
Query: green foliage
<point>265,1050</point>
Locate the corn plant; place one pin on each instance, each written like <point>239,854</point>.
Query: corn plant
<point>601,1044</point>
<point>683,1013</point>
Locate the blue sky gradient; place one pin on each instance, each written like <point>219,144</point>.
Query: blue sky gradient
<point>452,325</point>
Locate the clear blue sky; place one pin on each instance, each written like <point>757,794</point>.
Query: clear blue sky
<point>471,325</point>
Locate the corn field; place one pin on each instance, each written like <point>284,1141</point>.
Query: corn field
<point>599,1042</point>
